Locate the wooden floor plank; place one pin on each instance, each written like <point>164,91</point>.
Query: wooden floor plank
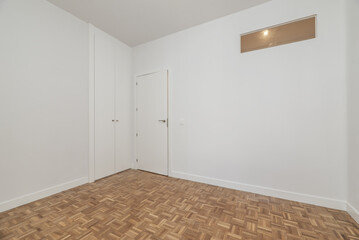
<point>140,205</point>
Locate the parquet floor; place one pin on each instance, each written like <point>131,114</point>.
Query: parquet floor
<point>140,205</point>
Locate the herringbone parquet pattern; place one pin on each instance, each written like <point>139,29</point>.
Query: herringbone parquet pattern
<point>139,205</point>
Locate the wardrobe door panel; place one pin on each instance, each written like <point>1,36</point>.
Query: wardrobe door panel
<point>105,77</point>
<point>124,108</point>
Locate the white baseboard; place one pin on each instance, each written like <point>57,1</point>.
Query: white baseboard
<point>293,196</point>
<point>310,199</point>
<point>16,202</point>
<point>353,212</point>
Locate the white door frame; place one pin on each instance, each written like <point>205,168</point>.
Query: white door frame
<point>169,116</point>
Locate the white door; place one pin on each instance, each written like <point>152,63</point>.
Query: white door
<point>152,123</point>
<point>105,77</point>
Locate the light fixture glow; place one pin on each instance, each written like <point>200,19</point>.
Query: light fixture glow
<point>265,33</point>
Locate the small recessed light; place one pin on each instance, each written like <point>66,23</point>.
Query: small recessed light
<point>265,33</point>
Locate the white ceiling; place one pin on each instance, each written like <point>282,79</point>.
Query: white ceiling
<point>139,21</point>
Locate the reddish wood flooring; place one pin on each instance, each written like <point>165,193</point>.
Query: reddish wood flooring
<point>140,205</point>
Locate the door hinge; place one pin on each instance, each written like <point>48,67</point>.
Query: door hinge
<point>136,83</point>
<point>136,159</point>
<point>136,109</point>
<point>136,134</point>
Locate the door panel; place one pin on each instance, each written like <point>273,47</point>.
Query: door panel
<point>124,120</point>
<point>152,143</point>
<point>105,77</point>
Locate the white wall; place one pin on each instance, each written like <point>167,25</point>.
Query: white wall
<point>353,106</point>
<point>43,101</point>
<point>271,121</point>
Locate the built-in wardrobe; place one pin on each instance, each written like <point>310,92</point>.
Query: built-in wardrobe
<point>111,105</point>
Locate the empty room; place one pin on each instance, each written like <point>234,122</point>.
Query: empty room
<point>179,119</point>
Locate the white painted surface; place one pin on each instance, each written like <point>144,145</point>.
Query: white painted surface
<point>137,21</point>
<point>353,106</point>
<point>124,107</point>
<point>91,106</point>
<point>113,105</point>
<point>43,100</point>
<point>105,91</point>
<point>274,118</point>
<point>152,139</point>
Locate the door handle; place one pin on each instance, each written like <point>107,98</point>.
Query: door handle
<point>164,121</point>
